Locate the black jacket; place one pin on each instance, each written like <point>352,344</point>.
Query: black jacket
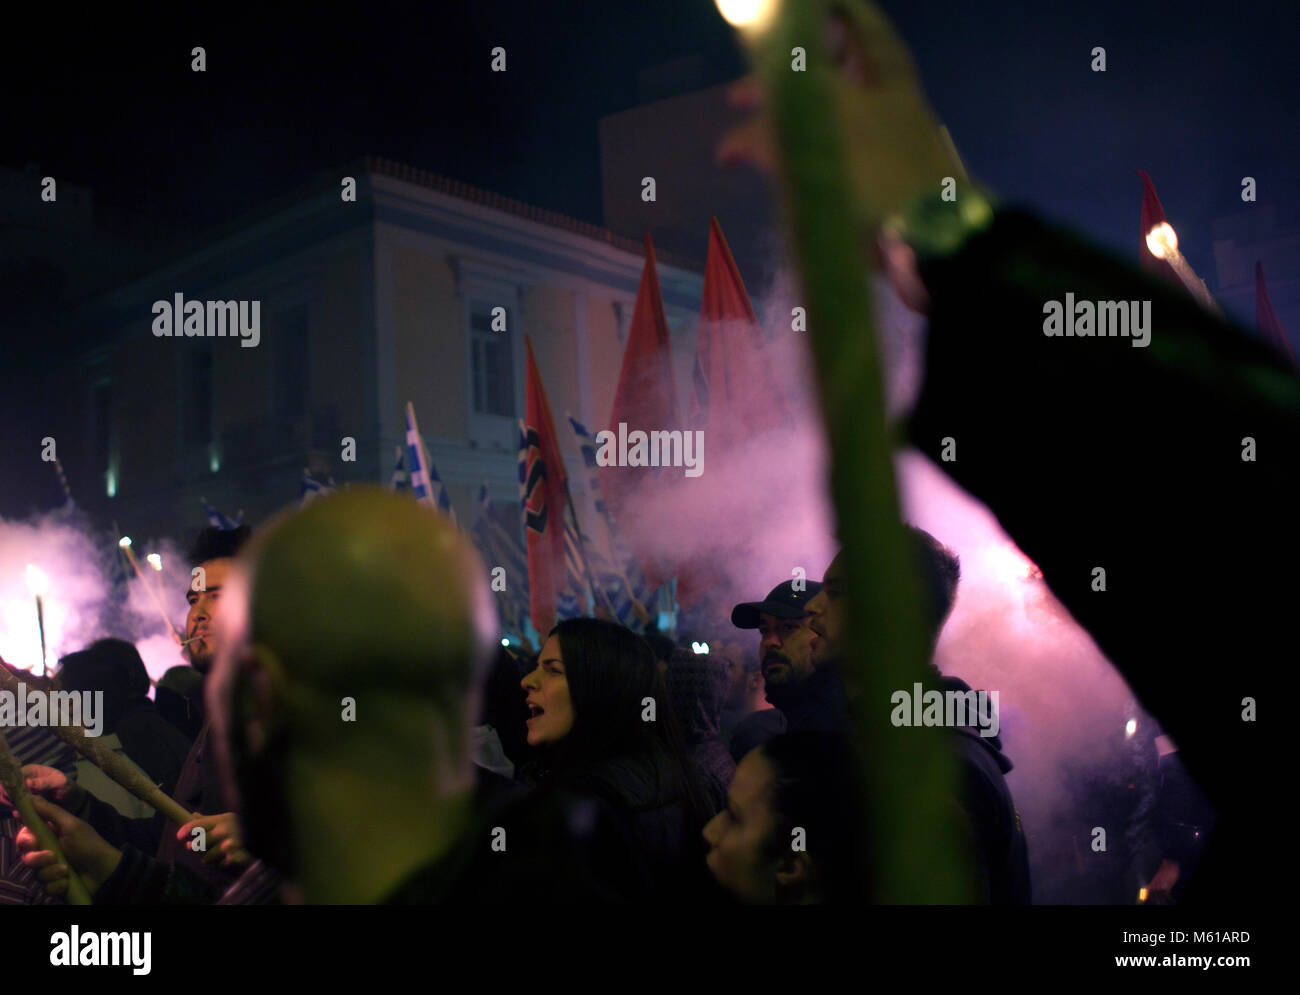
<point>1001,851</point>
<point>1093,453</point>
<point>640,795</point>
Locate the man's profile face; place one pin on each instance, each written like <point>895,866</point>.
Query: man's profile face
<point>784,649</point>
<point>827,621</point>
<point>202,617</point>
<point>740,834</point>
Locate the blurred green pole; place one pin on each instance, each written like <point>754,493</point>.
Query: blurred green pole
<point>916,856</point>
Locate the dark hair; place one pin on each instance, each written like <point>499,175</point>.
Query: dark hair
<point>610,671</point>
<point>112,666</point>
<point>503,708</point>
<point>213,543</point>
<point>816,786</point>
<point>660,645</point>
<point>940,572</point>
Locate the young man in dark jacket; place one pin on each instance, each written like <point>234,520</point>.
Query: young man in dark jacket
<point>992,824</point>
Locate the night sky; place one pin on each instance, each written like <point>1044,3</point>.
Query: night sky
<point>1198,98</point>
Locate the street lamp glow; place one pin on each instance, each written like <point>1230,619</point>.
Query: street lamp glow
<point>155,561</point>
<point>1162,241</point>
<point>124,542</point>
<point>36,580</point>
<point>748,14</point>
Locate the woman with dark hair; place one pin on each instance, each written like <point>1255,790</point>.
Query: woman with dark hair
<point>601,722</point>
<point>795,830</point>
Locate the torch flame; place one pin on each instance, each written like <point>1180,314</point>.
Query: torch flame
<point>1162,241</point>
<point>155,561</point>
<point>124,542</point>
<point>36,580</point>
<point>751,15</point>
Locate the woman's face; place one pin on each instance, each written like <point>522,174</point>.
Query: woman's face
<point>550,708</point>
<point>737,835</point>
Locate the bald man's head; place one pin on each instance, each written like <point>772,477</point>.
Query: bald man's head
<point>362,595</point>
<point>366,584</point>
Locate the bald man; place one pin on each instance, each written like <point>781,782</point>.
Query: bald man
<point>349,656</point>
<point>345,690</point>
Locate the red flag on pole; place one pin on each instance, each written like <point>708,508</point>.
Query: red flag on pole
<point>646,400</point>
<point>1269,324</point>
<point>545,497</point>
<point>736,395</point>
<point>1152,215</point>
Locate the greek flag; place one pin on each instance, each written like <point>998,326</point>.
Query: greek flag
<point>426,485</point>
<point>499,549</point>
<point>398,481</point>
<point>219,521</point>
<point>311,488</point>
<point>619,578</point>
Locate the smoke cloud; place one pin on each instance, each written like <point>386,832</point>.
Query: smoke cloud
<point>762,509</point>
<point>89,593</point>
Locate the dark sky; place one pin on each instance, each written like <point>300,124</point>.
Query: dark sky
<point>1198,94</point>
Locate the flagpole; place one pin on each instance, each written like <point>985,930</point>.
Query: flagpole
<point>608,517</point>
<point>582,554</point>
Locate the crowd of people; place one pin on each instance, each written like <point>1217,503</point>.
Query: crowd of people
<point>357,734</point>
<point>364,737</point>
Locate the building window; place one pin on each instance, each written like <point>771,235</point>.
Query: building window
<point>492,361</point>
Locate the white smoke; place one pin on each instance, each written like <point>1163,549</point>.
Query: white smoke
<point>79,567</point>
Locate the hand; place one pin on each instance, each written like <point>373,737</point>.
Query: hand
<point>89,854</point>
<point>896,149</point>
<point>1160,889</point>
<point>222,839</point>
<point>52,785</point>
<point>41,780</point>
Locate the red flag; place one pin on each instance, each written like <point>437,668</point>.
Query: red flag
<point>1266,318</point>
<point>1152,215</point>
<point>736,395</point>
<point>545,497</point>
<point>646,399</point>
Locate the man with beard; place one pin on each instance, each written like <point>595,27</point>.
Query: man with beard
<point>123,865</point>
<point>995,835</point>
<point>806,696</point>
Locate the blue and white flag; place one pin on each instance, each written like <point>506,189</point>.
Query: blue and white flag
<point>617,577</point>
<point>499,549</point>
<point>398,481</point>
<point>219,521</point>
<point>311,489</point>
<point>426,485</point>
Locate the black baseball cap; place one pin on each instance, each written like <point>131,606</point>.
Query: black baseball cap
<point>783,601</point>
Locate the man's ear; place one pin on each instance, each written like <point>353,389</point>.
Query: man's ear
<point>754,680</point>
<point>259,695</point>
<point>794,873</point>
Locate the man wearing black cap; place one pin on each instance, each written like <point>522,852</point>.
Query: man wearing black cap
<point>808,696</point>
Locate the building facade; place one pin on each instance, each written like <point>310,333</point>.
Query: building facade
<point>417,289</point>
